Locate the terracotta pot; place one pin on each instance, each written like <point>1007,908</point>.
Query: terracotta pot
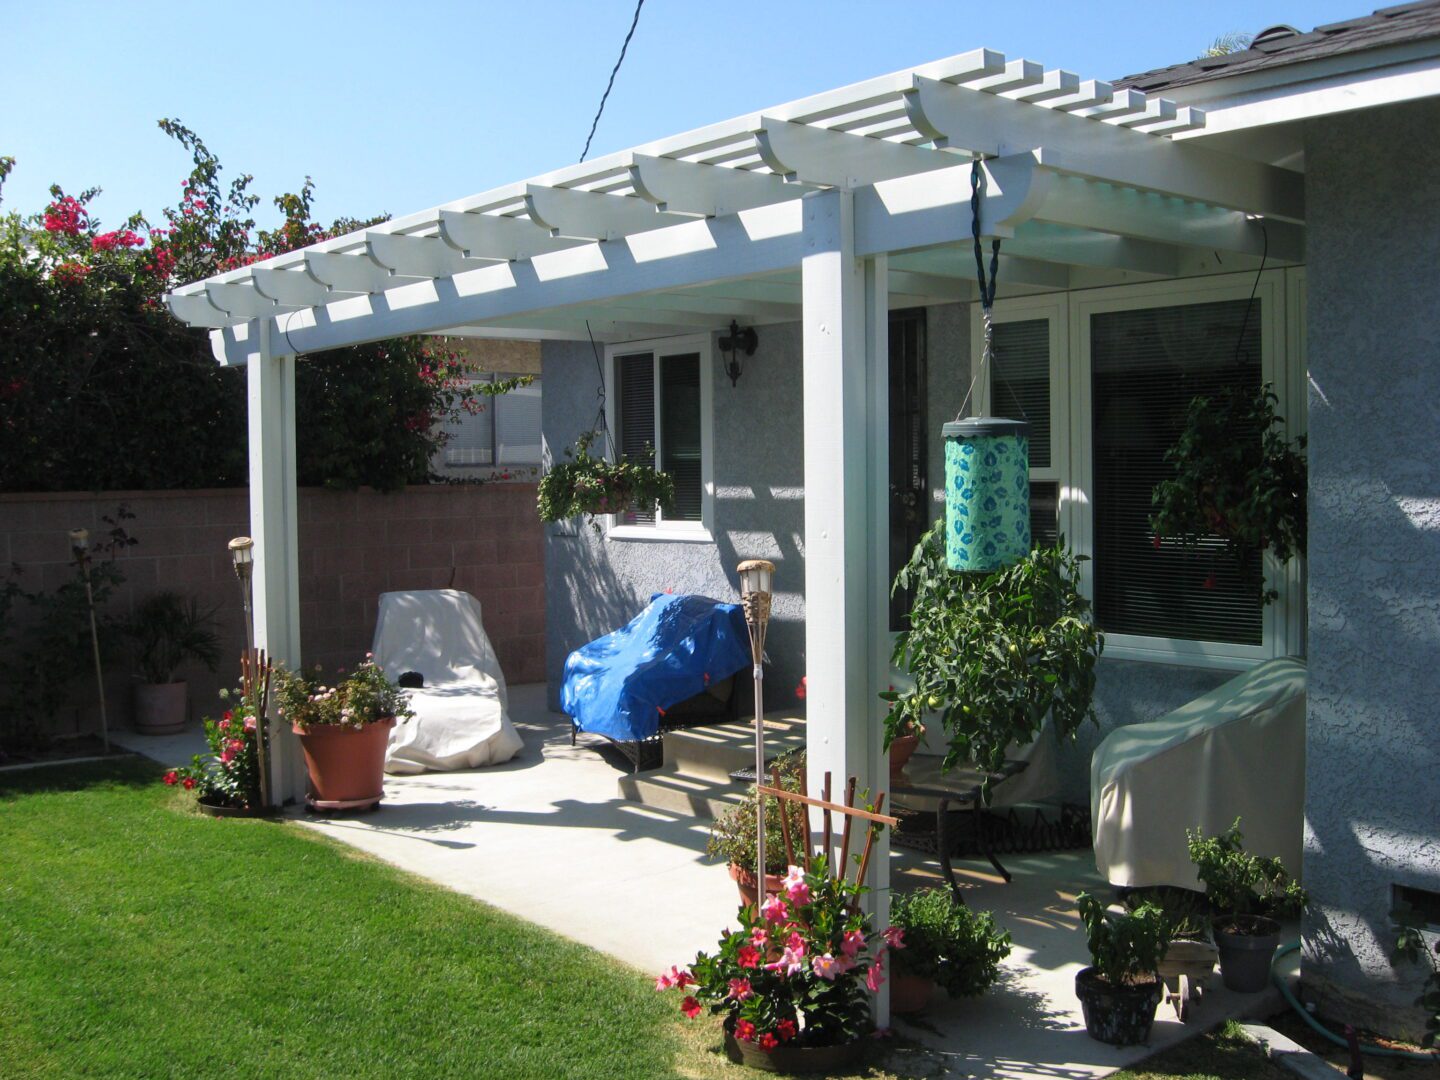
<point>791,1057</point>
<point>902,749</point>
<point>910,993</point>
<point>161,708</point>
<point>346,765</point>
<point>745,882</point>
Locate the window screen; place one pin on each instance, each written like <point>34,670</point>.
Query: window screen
<point>517,425</point>
<point>1146,366</point>
<point>680,432</point>
<point>1020,389</point>
<point>635,418</point>
<point>472,438</point>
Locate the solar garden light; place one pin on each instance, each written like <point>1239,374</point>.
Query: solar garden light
<point>80,550</point>
<point>756,578</point>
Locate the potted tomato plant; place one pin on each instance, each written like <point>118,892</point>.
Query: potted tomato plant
<point>344,727</point>
<point>732,836</point>
<point>946,944</point>
<point>1121,990</point>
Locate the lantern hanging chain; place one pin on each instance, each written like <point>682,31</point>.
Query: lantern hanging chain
<point>987,287</point>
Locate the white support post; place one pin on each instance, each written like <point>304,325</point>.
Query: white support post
<point>846,338</point>
<point>274,518</point>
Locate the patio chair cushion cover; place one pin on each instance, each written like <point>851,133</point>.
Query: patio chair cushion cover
<point>460,719</point>
<point>618,684</point>
<point>1238,751</point>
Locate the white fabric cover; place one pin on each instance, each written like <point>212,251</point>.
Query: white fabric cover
<point>1238,751</point>
<point>460,719</point>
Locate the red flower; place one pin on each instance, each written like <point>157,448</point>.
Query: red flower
<point>120,238</point>
<point>228,715</point>
<point>70,273</point>
<point>786,1030</point>
<point>67,216</point>
<point>188,783</point>
<point>768,1042</point>
<point>1156,541</point>
<point>690,1007</point>
<point>800,690</point>
<point>172,777</point>
<point>747,957</point>
<point>744,1031</point>
<point>1208,583</point>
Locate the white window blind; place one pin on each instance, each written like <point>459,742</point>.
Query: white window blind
<point>504,432</point>
<point>1146,366</point>
<point>635,418</point>
<point>1020,390</point>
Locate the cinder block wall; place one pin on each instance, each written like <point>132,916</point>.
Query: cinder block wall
<point>485,540</point>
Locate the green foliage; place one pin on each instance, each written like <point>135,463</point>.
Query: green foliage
<point>945,941</point>
<point>229,775</point>
<point>1412,948</point>
<point>167,629</point>
<point>994,655</point>
<point>732,836</point>
<point>1241,886</point>
<point>1124,948</point>
<point>1237,478</point>
<point>102,389</point>
<point>589,485</point>
<point>359,698</point>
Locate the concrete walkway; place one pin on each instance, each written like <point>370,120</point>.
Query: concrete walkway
<point>548,838</point>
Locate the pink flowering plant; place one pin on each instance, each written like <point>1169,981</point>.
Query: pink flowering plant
<point>229,775</point>
<point>306,699</point>
<point>799,970</point>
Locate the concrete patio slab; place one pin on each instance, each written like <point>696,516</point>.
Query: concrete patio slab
<point>547,837</point>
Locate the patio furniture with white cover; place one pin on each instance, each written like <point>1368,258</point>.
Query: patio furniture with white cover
<point>1238,751</point>
<point>460,719</point>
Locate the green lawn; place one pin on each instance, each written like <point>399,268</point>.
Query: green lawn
<point>140,939</point>
<point>1224,1054</point>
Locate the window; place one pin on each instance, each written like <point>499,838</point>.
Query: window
<point>505,432</point>
<point>659,411</point>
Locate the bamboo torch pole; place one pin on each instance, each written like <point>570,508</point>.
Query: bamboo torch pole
<point>756,579</point>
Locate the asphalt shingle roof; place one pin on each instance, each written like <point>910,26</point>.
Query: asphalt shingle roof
<point>1387,26</point>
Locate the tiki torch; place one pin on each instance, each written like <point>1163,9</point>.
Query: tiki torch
<point>80,549</point>
<point>242,554</point>
<point>756,577</point>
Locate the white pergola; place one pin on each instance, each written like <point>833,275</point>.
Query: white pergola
<point>826,211</point>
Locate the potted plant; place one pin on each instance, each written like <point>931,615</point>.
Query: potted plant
<point>589,485</point>
<point>226,781</point>
<point>902,747</point>
<point>1247,894</point>
<point>344,729</point>
<point>1121,989</point>
<point>946,944</point>
<point>168,629</point>
<point>732,836</point>
<point>794,982</point>
<point>1236,477</point>
<point>993,654</point>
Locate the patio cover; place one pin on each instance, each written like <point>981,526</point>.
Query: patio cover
<point>1238,751</point>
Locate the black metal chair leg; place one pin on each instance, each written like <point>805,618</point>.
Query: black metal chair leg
<point>984,847</point>
<point>942,845</point>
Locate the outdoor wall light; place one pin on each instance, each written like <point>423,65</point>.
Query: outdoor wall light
<point>733,344</point>
<point>987,493</point>
<point>756,578</point>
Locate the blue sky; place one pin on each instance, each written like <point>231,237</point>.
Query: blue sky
<point>394,107</point>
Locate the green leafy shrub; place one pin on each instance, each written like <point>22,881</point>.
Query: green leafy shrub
<point>1240,886</point>
<point>591,485</point>
<point>945,941</point>
<point>167,629</point>
<point>732,836</point>
<point>994,654</point>
<point>1124,948</point>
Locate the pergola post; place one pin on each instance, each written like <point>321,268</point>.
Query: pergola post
<point>274,517</point>
<point>846,378</point>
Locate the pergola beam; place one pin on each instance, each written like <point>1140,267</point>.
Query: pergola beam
<point>589,214</point>
<point>417,256</point>
<point>353,273</point>
<point>814,155</point>
<point>711,190</point>
<point>491,236</point>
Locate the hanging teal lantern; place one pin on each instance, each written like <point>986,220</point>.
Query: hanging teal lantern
<point>987,493</point>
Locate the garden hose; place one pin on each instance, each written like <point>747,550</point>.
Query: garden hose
<point>1365,1047</point>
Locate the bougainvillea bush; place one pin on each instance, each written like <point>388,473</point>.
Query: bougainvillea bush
<point>800,970</point>
<point>102,389</point>
<point>229,775</point>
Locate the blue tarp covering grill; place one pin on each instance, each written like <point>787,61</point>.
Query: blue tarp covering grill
<point>618,684</point>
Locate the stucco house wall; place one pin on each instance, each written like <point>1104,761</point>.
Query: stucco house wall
<point>1373,746</point>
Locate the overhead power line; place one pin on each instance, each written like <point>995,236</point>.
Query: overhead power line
<point>613,72</point>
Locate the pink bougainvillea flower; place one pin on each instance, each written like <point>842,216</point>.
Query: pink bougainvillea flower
<point>774,909</point>
<point>875,977</point>
<point>747,957</point>
<point>786,1030</point>
<point>825,966</point>
<point>854,941</point>
<point>895,937</point>
<point>744,1031</point>
<point>690,1007</point>
<point>171,777</point>
<point>741,990</point>
<point>768,1042</point>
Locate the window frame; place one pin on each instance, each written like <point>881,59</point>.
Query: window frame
<point>1280,293</point>
<point>702,531</point>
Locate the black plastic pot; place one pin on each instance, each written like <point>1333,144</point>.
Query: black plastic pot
<point>1118,1015</point>
<point>1245,958</point>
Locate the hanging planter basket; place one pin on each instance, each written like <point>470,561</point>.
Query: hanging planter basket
<point>592,486</point>
<point>987,493</point>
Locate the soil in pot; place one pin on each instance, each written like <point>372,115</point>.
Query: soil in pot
<point>910,994</point>
<point>161,708</point>
<point>745,881</point>
<point>792,1057</point>
<point>346,765</point>
<point>1247,947</point>
<point>1117,1015</point>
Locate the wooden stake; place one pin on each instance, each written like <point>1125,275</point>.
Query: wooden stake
<point>842,866</point>
<point>784,819</point>
<point>825,816</point>
<point>870,842</point>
